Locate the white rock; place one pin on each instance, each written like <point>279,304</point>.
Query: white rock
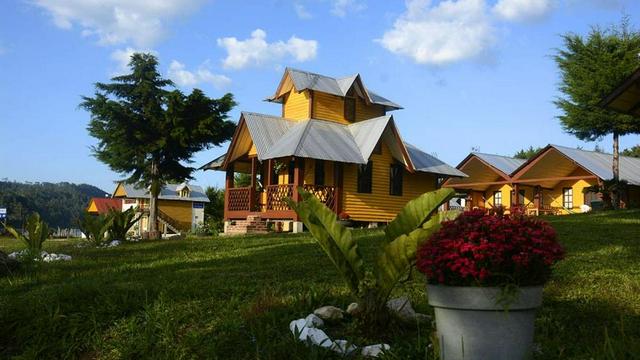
<point>13,255</point>
<point>297,326</point>
<point>329,313</point>
<point>319,338</point>
<point>353,309</point>
<point>343,347</point>
<point>374,350</point>
<point>585,208</point>
<point>403,309</point>
<point>114,243</point>
<point>313,321</point>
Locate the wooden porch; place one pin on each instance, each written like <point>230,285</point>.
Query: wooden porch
<point>269,200</point>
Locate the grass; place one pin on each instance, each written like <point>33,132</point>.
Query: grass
<point>233,298</point>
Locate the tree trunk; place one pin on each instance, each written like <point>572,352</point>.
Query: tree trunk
<point>154,191</point>
<point>615,198</point>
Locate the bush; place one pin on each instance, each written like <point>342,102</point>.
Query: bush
<point>483,250</point>
<point>95,228</point>
<point>121,222</point>
<point>37,231</point>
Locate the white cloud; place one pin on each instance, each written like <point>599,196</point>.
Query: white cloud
<point>342,7</point>
<point>182,77</point>
<point>141,22</point>
<point>441,34</point>
<point>522,10</point>
<point>302,11</point>
<point>256,51</point>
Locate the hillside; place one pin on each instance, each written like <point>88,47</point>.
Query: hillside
<point>59,204</point>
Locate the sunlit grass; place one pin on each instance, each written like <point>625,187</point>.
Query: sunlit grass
<point>234,297</point>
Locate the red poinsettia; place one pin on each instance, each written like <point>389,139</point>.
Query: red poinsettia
<point>477,249</point>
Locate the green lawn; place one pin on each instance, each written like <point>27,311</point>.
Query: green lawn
<point>234,297</point>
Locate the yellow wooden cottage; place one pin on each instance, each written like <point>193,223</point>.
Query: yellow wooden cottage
<point>335,138</point>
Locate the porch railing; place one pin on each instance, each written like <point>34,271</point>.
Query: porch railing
<point>239,199</point>
<point>326,194</point>
<point>276,195</point>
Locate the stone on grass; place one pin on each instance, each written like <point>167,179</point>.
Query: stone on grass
<point>313,321</point>
<point>343,347</point>
<point>402,308</point>
<point>56,257</point>
<point>297,326</point>
<point>374,350</point>
<point>329,313</point>
<point>319,338</point>
<point>353,309</point>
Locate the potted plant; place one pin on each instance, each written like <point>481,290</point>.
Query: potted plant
<point>484,279</point>
<point>344,219</point>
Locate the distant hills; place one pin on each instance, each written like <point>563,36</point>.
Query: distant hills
<point>58,204</point>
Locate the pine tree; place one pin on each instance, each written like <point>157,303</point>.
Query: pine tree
<point>148,132</point>
<point>590,69</point>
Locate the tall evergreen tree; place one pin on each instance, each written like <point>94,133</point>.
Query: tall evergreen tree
<point>526,154</point>
<point>591,67</point>
<point>633,151</point>
<point>149,132</point>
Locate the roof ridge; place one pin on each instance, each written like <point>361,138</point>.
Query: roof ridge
<point>305,131</point>
<point>503,156</point>
<point>595,152</point>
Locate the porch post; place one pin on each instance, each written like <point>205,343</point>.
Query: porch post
<point>536,197</point>
<point>298,177</point>
<point>269,172</point>
<point>338,176</point>
<point>228,184</point>
<point>252,189</point>
<point>516,194</point>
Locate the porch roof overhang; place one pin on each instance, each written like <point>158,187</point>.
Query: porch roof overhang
<point>484,171</point>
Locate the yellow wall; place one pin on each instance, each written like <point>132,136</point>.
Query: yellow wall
<point>92,207</point>
<point>364,111</point>
<point>328,107</point>
<point>296,105</point>
<point>489,195</point>
<point>180,211</point>
<point>554,197</point>
<point>119,191</point>
<point>379,205</point>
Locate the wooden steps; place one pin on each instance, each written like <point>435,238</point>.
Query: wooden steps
<point>252,225</point>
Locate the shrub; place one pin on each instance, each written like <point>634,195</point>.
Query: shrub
<point>95,228</point>
<point>121,222</point>
<point>483,250</point>
<point>37,231</point>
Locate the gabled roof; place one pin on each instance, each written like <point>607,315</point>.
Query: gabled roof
<point>303,80</point>
<point>597,163</point>
<point>507,165</point>
<point>168,192</point>
<point>103,205</point>
<point>275,137</point>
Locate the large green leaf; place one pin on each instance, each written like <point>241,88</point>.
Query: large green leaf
<point>333,238</point>
<point>416,212</point>
<point>398,256</point>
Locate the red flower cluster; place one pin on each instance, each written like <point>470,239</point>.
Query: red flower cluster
<point>477,249</point>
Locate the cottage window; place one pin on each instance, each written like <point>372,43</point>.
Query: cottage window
<point>319,172</point>
<point>395,179</point>
<point>184,193</point>
<point>567,198</point>
<point>350,108</point>
<point>497,198</point>
<point>365,173</point>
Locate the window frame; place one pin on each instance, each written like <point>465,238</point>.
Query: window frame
<point>567,192</point>
<point>365,184</point>
<point>495,199</point>
<point>396,179</point>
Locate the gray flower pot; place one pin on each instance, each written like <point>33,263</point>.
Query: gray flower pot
<point>471,325</point>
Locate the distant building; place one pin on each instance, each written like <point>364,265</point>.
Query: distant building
<point>98,205</point>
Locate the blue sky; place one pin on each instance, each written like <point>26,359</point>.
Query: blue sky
<point>470,73</point>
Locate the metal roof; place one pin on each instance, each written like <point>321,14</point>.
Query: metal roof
<point>168,192</point>
<point>337,86</point>
<point>276,137</point>
<point>600,164</point>
<point>503,163</point>
<point>424,162</point>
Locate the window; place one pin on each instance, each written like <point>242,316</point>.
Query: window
<point>395,179</point>
<point>365,173</point>
<point>497,198</point>
<point>319,172</point>
<point>350,108</point>
<point>184,193</point>
<point>521,198</point>
<point>567,198</point>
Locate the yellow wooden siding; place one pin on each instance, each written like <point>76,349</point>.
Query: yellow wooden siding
<point>380,205</point>
<point>253,151</point>
<point>120,192</point>
<point>364,111</point>
<point>328,107</point>
<point>180,211</point>
<point>296,105</point>
<point>93,208</point>
<point>554,197</point>
<point>489,195</point>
